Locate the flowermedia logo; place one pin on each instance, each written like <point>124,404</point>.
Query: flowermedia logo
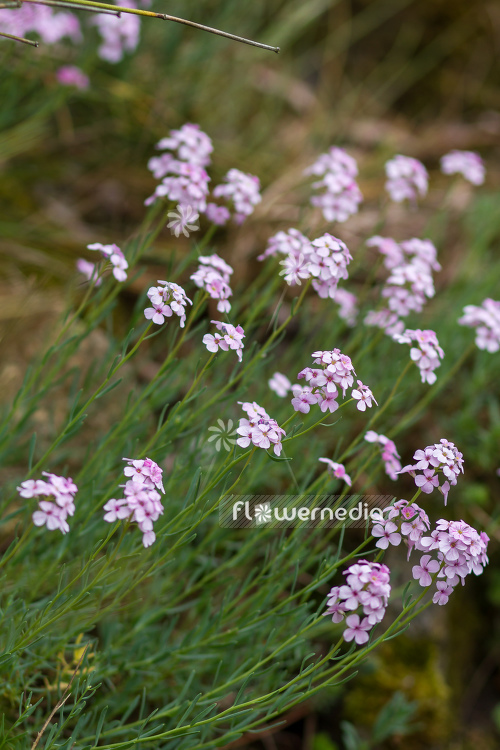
<point>279,511</point>
<point>224,435</point>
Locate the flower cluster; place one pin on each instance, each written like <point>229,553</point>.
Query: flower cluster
<point>407,178</point>
<point>230,337</point>
<point>183,175</point>
<point>467,163</point>
<point>51,26</point>
<point>442,460</point>
<point>341,195</point>
<point>167,300</point>
<point>410,282</point>
<point>242,190</point>
<point>142,502</point>
<point>53,515</point>
<point>89,270</point>
<point>213,275</point>
<point>336,371</point>
<point>336,470</point>
<point>119,34</point>
<point>460,550</point>
<point>115,257</point>
<point>486,320</point>
<point>367,586</point>
<point>280,384</point>
<point>70,75</point>
<point>403,519</point>
<point>259,429</point>
<point>390,455</point>
<point>347,303</point>
<point>325,260</point>
<point>428,353</point>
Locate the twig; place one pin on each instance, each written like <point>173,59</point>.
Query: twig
<point>63,699</point>
<point>77,6</point>
<point>164,17</point>
<point>19,39</point>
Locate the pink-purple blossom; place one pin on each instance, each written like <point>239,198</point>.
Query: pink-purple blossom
<point>407,179</point>
<point>89,270</point>
<point>336,372</point>
<point>242,190</point>
<point>324,260</point>
<point>119,34</point>
<point>166,300</point>
<point>183,176</point>
<point>71,75</point>
<point>51,513</point>
<point>400,521</point>
<point>485,318</point>
<point>51,26</point>
<point>437,466</point>
<point>347,303</point>
<point>115,257</point>
<point>340,195</point>
<point>280,384</point>
<point>467,163</point>
<point>213,275</point>
<point>390,455</point>
<point>336,470</point>
<point>410,284</point>
<point>426,355</point>
<point>259,429</point>
<point>367,587</point>
<point>230,337</point>
<point>142,502</point>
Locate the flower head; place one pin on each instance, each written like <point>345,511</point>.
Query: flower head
<point>467,163</point>
<point>407,179</point>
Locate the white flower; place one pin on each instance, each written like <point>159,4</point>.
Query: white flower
<point>184,220</point>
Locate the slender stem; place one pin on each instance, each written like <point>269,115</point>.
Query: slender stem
<point>136,11</point>
<point>19,39</point>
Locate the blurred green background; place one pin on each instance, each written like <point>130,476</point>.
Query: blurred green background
<point>378,77</point>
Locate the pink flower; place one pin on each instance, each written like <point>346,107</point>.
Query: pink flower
<point>259,429</point>
<point>407,178</point>
<point>217,214</point>
<point>119,34</point>
<point>89,270</point>
<point>243,190</point>
<point>388,534</point>
<point>166,299</point>
<point>427,356</point>
<point>115,257</point>
<point>70,75</point>
<point>191,143</point>
<point>486,320</point>
<point>357,630</point>
<point>213,275</point>
<point>467,163</point>
<point>142,502</point>
<point>364,396</point>
<point>341,195</point>
<point>423,572</point>
<point>229,338</point>
<point>116,510</point>
<point>442,594</point>
<point>303,398</point>
<point>280,384</point>
<point>336,470</point>
<point>51,516</point>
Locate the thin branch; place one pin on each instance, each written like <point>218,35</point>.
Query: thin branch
<point>164,17</point>
<point>76,6</point>
<point>63,699</point>
<point>19,39</point>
